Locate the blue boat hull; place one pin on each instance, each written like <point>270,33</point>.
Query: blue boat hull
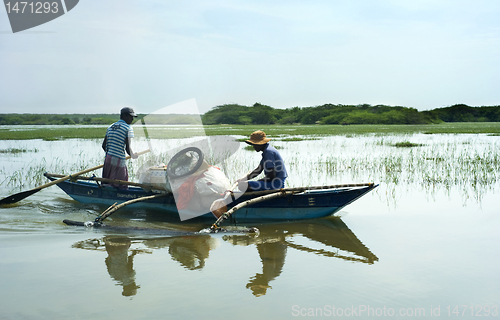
<point>306,205</point>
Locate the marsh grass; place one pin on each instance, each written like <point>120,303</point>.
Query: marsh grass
<point>329,130</point>
<point>290,139</point>
<point>443,166</point>
<point>312,131</point>
<point>250,148</point>
<point>32,174</point>
<point>407,144</point>
<point>470,164</point>
<point>52,134</point>
<point>297,139</point>
<point>446,164</point>
<point>17,150</point>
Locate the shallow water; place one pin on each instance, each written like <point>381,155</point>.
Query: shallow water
<point>405,250</point>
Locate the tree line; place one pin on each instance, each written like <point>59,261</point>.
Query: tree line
<point>56,119</point>
<point>263,114</point>
<point>348,114</point>
<point>94,119</point>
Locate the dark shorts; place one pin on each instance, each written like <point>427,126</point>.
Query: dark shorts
<point>115,168</point>
<point>266,185</point>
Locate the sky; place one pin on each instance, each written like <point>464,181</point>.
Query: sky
<point>149,54</point>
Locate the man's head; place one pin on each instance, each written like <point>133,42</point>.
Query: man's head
<point>258,140</point>
<point>127,114</point>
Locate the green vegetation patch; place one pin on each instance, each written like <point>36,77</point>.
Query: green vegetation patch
<point>407,144</point>
<point>353,130</point>
<point>259,114</point>
<point>276,132</point>
<point>56,119</point>
<point>16,150</point>
<point>50,134</point>
<point>250,148</point>
<point>287,139</point>
<point>298,139</point>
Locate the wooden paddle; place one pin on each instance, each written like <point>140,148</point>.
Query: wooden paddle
<point>24,194</point>
<point>111,181</point>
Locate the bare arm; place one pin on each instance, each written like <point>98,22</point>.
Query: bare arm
<point>104,144</point>
<point>254,173</point>
<point>128,148</point>
<point>127,145</point>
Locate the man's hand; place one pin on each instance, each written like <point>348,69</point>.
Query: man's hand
<point>134,155</point>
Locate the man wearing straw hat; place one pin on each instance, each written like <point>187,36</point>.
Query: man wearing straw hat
<point>271,163</point>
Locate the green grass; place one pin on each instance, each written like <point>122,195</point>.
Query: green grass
<point>280,132</point>
<point>250,148</point>
<point>407,144</point>
<point>16,150</point>
<point>329,130</point>
<point>292,139</point>
<point>457,162</point>
<point>50,134</point>
<point>287,139</point>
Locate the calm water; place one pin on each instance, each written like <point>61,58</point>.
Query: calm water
<point>417,247</point>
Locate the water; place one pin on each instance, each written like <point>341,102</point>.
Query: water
<point>412,248</point>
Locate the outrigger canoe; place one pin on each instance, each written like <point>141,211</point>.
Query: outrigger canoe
<point>309,204</point>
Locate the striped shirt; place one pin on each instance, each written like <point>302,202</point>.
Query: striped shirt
<point>115,138</point>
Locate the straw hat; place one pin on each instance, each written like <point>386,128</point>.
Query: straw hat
<point>258,137</point>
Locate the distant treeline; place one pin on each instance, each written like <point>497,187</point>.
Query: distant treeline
<point>106,119</point>
<point>347,114</point>
<point>53,119</point>
<point>262,114</point>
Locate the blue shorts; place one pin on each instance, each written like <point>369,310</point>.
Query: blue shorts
<point>266,185</point>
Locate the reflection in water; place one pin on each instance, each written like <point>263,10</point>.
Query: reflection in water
<point>328,237</point>
<point>272,255</point>
<point>189,251</point>
<point>335,238</point>
<point>121,265</point>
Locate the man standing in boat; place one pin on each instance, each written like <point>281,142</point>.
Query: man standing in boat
<point>115,144</point>
<point>271,163</point>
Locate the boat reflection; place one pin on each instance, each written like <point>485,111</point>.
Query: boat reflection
<point>331,234</point>
<point>328,237</point>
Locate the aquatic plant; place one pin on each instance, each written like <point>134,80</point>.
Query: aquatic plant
<point>16,150</point>
<point>177,132</point>
<point>407,144</point>
<point>470,164</point>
